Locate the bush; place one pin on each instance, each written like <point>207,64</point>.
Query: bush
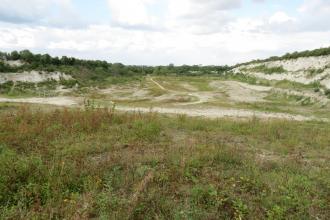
<point>327,93</point>
<point>268,70</point>
<point>69,83</point>
<point>6,87</point>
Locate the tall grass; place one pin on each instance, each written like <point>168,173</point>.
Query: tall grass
<point>78,164</point>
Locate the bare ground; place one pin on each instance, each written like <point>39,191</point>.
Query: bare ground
<point>217,113</point>
<point>185,102</point>
<point>58,101</point>
<point>209,113</point>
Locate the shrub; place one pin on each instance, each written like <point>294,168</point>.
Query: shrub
<point>268,70</point>
<point>6,87</point>
<point>327,93</point>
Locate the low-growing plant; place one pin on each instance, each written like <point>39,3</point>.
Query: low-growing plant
<point>314,72</point>
<point>267,70</point>
<point>6,87</point>
<point>327,93</point>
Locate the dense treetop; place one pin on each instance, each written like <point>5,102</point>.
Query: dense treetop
<point>71,65</point>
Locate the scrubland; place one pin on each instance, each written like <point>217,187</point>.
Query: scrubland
<point>58,163</point>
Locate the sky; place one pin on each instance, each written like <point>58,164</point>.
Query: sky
<point>160,32</point>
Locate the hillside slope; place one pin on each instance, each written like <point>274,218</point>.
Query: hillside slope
<point>305,70</point>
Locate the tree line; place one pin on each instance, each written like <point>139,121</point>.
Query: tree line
<point>97,68</point>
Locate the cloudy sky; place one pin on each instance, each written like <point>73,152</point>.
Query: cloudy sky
<point>156,32</point>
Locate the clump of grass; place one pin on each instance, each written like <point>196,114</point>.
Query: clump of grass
<point>245,78</point>
<point>267,70</point>
<point>327,93</point>
<point>118,80</point>
<point>98,163</point>
<point>287,84</point>
<point>6,87</point>
<point>314,72</point>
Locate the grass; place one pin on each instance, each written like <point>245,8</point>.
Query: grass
<point>286,84</point>
<point>29,89</point>
<point>266,69</point>
<point>314,72</point>
<point>286,99</point>
<point>119,80</point>
<point>176,82</point>
<point>245,78</point>
<point>79,164</point>
<point>327,93</point>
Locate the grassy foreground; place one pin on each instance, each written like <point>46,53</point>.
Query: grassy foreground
<point>82,164</point>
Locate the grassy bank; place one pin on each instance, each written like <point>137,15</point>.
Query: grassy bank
<point>77,164</point>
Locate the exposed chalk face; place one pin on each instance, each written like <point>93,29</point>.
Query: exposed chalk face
<point>33,76</point>
<point>14,63</point>
<point>296,70</point>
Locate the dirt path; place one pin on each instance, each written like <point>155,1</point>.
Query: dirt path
<point>202,98</point>
<point>218,113</point>
<point>59,101</point>
<point>160,86</point>
<point>194,112</point>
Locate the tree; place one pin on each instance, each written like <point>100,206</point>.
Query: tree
<point>65,60</point>
<point>26,55</point>
<point>3,55</point>
<point>45,59</point>
<point>117,68</point>
<point>14,55</point>
<point>56,61</point>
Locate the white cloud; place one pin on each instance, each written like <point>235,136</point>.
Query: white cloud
<point>186,32</point>
<point>280,17</point>
<point>131,13</point>
<point>246,25</point>
<point>314,15</point>
<point>17,38</point>
<point>315,7</point>
<point>40,12</point>
<point>200,17</point>
<point>140,47</point>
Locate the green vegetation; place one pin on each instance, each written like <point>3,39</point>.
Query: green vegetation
<point>267,70</point>
<point>315,72</point>
<point>5,68</point>
<point>286,84</point>
<point>79,164</point>
<point>93,163</point>
<point>95,72</point>
<point>307,53</point>
<point>245,78</point>
<point>285,99</point>
<point>327,93</point>
<point>45,88</point>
